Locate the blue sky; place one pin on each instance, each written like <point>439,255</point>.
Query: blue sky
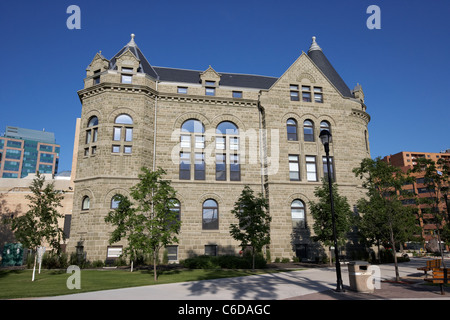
<point>403,67</point>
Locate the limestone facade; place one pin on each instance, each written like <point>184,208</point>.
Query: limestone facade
<point>160,101</point>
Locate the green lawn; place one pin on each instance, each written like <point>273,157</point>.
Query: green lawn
<point>17,283</point>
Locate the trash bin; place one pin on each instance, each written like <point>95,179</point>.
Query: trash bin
<point>359,275</point>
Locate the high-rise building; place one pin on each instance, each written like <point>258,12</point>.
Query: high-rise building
<point>213,133</point>
<point>25,151</point>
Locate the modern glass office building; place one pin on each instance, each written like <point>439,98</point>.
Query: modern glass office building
<point>24,151</point>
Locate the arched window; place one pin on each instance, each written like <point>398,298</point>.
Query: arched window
<point>192,130</point>
<point>176,208</point>
<point>298,214</point>
<point>227,127</point>
<point>93,121</point>
<point>227,150</point>
<point>308,130</point>
<point>210,215</point>
<point>325,125</point>
<point>91,136</point>
<point>193,126</point>
<point>123,119</point>
<point>85,204</point>
<point>122,134</point>
<point>115,202</point>
<point>291,126</point>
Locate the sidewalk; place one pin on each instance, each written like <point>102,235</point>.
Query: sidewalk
<point>309,284</point>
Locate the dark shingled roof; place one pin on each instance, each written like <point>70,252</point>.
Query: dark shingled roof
<point>226,79</point>
<point>321,61</point>
<point>231,79</point>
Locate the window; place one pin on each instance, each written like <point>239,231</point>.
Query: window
<point>114,202</point>
<point>124,119</point>
<point>185,141</point>
<point>227,130</point>
<point>210,91</point>
<point>117,133</point>
<point>221,167</point>
<point>291,126</point>
<point>308,130</point>
<point>220,143</point>
<point>311,169</point>
<point>306,93</point>
<point>298,214</point>
<point>176,208</point>
<point>192,126</point>
<point>294,168</point>
<point>237,94</point>
<point>85,204</point>
<point>211,250</point>
<point>182,90</point>
<point>190,132</point>
<point>91,135</point>
<point>325,168</point>
<point>235,168</point>
<point>294,92</point>
<point>185,166</point>
<point>325,125</point>
<point>96,77</point>
<point>122,131</point>
<point>199,166</point>
<point>210,83</point>
<point>127,75</point>
<point>127,149</point>
<point>210,215</point>
<point>318,96</point>
<point>172,253</point>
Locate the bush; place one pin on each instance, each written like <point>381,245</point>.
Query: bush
<point>224,262</point>
<point>98,264</point>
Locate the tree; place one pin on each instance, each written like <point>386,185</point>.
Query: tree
<point>39,224</point>
<point>253,228</point>
<point>383,210</point>
<point>152,223</point>
<point>437,181</point>
<point>321,212</point>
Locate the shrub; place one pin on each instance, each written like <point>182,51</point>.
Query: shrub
<point>98,264</point>
<point>225,262</point>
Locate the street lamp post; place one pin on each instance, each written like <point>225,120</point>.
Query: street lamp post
<point>325,137</point>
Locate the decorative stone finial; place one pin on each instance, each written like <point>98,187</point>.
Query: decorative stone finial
<point>314,45</point>
<point>132,43</point>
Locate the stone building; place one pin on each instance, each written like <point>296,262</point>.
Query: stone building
<point>214,132</point>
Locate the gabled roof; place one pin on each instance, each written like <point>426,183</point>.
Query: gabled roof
<point>318,57</point>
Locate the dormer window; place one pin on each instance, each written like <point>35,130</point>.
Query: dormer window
<point>127,75</point>
<point>96,77</point>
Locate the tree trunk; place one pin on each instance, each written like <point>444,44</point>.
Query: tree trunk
<point>397,276</point>
<point>440,247</point>
<point>154,266</point>
<point>34,266</point>
<point>253,258</point>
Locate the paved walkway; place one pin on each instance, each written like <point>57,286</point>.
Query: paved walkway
<point>310,284</point>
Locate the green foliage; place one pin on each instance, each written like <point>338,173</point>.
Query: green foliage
<point>39,225</point>
<point>225,262</point>
<point>253,229</point>
<point>149,223</point>
<point>321,212</point>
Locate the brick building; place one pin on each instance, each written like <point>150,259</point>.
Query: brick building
<point>406,160</point>
<point>215,132</point>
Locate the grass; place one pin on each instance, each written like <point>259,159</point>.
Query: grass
<point>16,284</point>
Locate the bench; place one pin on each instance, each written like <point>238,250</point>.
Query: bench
<point>440,276</point>
<point>431,264</point>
